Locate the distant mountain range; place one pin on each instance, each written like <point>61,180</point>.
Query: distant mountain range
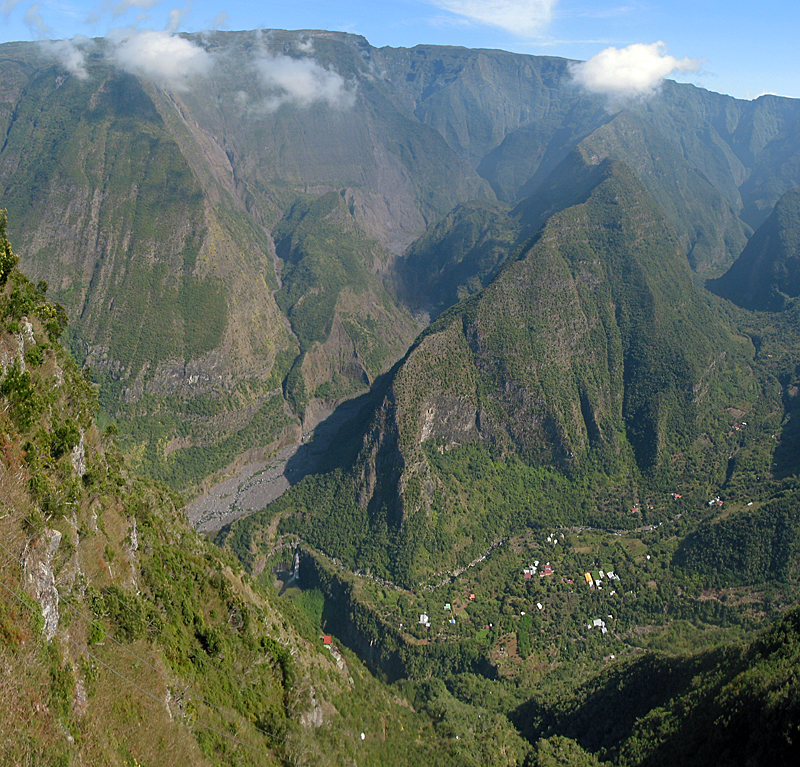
<point>234,252</point>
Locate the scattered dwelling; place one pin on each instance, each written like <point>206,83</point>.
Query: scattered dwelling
<point>540,606</point>
<point>599,623</point>
<point>424,620</point>
<point>327,639</point>
<point>528,572</point>
<point>531,570</point>
<point>447,606</point>
<point>589,579</point>
<point>546,570</point>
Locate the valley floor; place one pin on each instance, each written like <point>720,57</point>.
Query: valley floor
<point>254,485</point>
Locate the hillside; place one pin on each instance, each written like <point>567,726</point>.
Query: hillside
<point>589,366</point>
<point>574,500</point>
<point>127,639</point>
<point>117,620</point>
<point>733,705</point>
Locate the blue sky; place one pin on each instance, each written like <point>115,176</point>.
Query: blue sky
<point>741,48</point>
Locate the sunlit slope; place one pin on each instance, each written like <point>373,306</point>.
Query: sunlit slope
<point>151,209</point>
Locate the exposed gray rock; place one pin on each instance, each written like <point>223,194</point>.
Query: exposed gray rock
<point>79,456</point>
<point>40,579</point>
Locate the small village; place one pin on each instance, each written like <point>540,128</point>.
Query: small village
<point>532,585</point>
<point>585,585</point>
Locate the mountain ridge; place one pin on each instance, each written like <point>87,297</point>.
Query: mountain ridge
<point>589,354</point>
<point>404,137</point>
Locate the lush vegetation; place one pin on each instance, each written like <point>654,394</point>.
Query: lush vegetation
<point>567,392</point>
<point>127,639</point>
<point>642,455</point>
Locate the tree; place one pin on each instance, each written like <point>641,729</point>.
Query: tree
<point>558,751</point>
<point>8,260</point>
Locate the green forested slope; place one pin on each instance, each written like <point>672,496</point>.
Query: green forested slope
<point>735,705</point>
<point>591,356</point>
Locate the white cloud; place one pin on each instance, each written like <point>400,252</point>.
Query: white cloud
<point>118,8</point>
<point>220,20</point>
<point>306,45</point>
<point>520,17</point>
<point>121,7</point>
<point>633,72</point>
<point>176,16</point>
<point>167,59</point>
<point>302,82</point>
<point>69,53</point>
<point>34,21</point>
<point>7,6</point>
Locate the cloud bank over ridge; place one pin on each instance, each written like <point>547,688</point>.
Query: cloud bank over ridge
<point>302,82</point>
<point>633,72</point>
<point>169,60</point>
<point>70,54</point>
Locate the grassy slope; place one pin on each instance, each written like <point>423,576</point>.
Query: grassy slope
<point>163,652</point>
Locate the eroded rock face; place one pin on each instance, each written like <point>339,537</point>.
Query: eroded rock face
<point>452,418</point>
<point>40,580</point>
<point>79,456</point>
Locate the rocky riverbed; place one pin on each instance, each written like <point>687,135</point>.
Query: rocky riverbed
<point>256,484</point>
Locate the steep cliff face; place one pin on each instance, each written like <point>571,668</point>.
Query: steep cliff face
<point>148,210</point>
<point>766,276</point>
<point>707,225</point>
